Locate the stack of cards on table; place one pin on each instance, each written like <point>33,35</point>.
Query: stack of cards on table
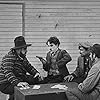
<point>26,87</point>
<point>59,86</point>
<point>36,87</point>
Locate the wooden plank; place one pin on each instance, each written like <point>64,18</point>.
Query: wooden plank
<point>5,44</point>
<point>62,33</point>
<point>11,29</point>
<point>72,29</point>
<point>70,3</point>
<point>17,21</point>
<point>6,40</point>
<point>12,6</point>
<point>4,48</point>
<point>10,25</point>
<point>10,17</point>
<point>61,25</point>
<point>66,6</point>
<point>63,20</point>
<point>62,10</point>
<point>10,9</point>
<point>65,36</point>
<point>6,13</point>
<point>68,14</point>
<point>9,34</point>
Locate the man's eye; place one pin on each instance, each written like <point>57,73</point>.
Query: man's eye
<point>51,45</point>
<point>24,48</point>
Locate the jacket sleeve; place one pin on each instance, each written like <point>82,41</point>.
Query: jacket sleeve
<point>77,72</point>
<point>8,63</point>
<point>30,69</point>
<point>91,81</point>
<point>65,59</point>
<point>46,65</point>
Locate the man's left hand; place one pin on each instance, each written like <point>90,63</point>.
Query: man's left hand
<point>39,76</point>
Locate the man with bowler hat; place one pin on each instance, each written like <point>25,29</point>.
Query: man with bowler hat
<point>14,69</point>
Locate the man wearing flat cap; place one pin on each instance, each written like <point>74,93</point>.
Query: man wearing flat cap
<point>14,69</point>
<point>83,64</point>
<point>89,89</point>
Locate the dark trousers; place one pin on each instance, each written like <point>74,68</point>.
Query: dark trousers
<point>52,79</point>
<point>76,94</point>
<point>79,79</point>
<point>8,88</point>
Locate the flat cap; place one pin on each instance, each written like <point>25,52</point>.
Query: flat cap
<point>85,44</point>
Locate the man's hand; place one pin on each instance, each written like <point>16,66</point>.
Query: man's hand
<point>69,78</point>
<point>40,78</point>
<point>41,59</point>
<point>37,75</point>
<point>23,84</point>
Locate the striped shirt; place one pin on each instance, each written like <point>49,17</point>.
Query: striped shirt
<point>13,67</point>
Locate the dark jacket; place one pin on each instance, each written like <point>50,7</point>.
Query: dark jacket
<point>62,59</point>
<point>14,68</point>
<point>83,67</point>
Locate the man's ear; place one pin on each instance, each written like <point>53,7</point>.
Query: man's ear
<point>57,45</point>
<point>93,57</point>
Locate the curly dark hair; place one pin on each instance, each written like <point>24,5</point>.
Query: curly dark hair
<point>95,49</point>
<point>54,40</point>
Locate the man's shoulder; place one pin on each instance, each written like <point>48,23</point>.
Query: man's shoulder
<point>9,55</point>
<point>80,57</point>
<point>63,51</point>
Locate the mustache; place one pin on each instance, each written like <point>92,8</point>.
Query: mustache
<point>50,49</point>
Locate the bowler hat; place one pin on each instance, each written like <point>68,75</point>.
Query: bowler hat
<point>20,42</point>
<point>96,49</point>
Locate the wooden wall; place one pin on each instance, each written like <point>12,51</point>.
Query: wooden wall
<point>10,25</point>
<point>71,21</point>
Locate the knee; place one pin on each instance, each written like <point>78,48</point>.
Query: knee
<point>70,96</point>
<point>11,97</point>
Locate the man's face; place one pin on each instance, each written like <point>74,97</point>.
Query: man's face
<point>92,56</point>
<point>52,46</point>
<point>82,51</point>
<point>24,50</point>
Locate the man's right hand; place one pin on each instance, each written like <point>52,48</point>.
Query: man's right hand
<point>69,78</point>
<point>23,84</point>
<point>41,59</point>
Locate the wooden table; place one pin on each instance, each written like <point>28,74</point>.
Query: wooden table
<point>45,92</point>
